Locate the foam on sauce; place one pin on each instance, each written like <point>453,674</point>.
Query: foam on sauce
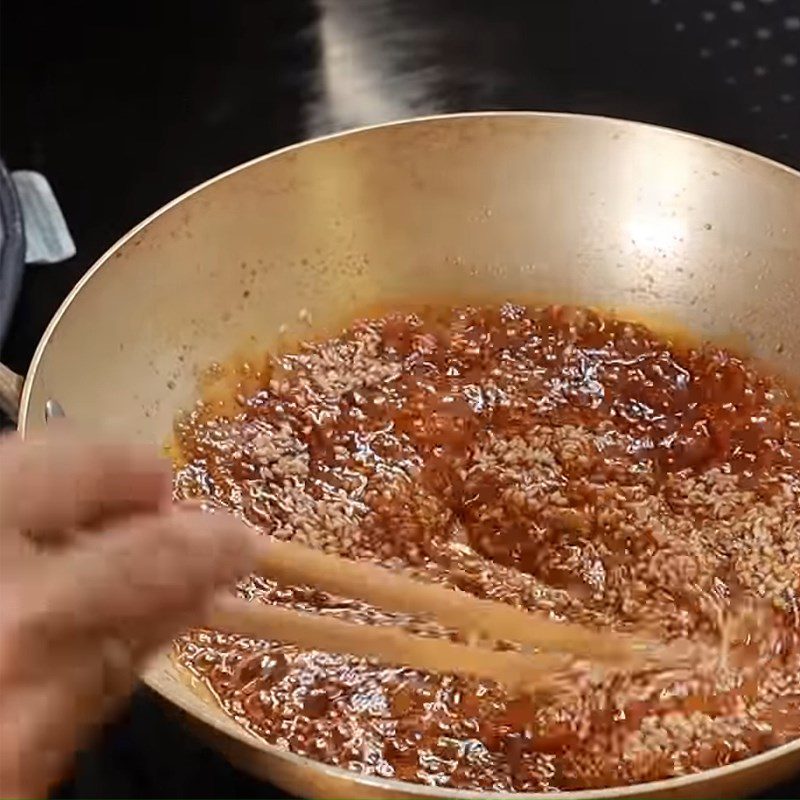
<point>552,458</point>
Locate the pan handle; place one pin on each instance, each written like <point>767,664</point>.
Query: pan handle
<point>10,392</point>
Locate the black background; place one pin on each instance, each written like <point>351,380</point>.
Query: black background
<point>125,105</point>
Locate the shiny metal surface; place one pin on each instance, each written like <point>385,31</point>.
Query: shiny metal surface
<point>53,410</point>
<point>660,225</point>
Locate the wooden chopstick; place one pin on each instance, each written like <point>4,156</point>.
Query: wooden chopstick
<point>297,565</point>
<point>516,671</point>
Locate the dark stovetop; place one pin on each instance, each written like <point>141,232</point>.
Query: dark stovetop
<point>124,105</point>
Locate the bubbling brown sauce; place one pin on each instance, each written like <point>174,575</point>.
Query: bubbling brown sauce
<point>551,458</point>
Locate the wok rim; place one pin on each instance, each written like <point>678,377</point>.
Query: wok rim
<point>241,733</point>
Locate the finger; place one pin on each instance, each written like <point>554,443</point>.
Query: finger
<point>57,481</point>
<point>52,718</point>
<point>144,580</point>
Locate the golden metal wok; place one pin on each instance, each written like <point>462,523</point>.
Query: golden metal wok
<point>555,207</point>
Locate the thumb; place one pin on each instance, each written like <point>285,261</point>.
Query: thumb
<point>142,580</point>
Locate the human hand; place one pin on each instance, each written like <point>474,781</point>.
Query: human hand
<point>97,570</point>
